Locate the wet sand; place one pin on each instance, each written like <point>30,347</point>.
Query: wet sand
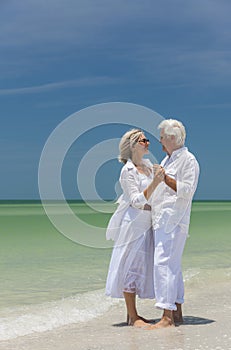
<point>207,319</point>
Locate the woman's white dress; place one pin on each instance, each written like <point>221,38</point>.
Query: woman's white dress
<point>131,265</point>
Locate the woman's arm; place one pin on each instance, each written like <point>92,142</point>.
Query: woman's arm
<point>158,178</point>
<point>130,184</point>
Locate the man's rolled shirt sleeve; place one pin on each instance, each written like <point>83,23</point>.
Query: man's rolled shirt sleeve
<point>187,181</point>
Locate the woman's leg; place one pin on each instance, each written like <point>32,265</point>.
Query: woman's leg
<point>133,319</point>
<point>130,300</point>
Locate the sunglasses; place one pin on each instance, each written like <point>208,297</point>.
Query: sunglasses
<point>144,141</point>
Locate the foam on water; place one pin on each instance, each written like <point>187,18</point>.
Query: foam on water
<point>47,316</point>
<point>28,319</point>
<point>189,274</point>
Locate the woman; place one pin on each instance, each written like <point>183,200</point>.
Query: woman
<point>131,267</point>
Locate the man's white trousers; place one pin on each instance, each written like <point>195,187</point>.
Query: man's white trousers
<point>168,279</point>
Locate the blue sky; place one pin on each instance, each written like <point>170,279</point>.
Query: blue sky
<point>58,57</point>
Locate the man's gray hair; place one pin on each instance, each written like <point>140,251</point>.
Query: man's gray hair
<point>127,142</point>
<point>173,127</point>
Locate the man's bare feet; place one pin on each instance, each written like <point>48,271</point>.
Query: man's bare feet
<point>163,323</point>
<point>178,319</point>
<point>177,315</point>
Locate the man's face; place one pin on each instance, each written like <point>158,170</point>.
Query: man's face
<point>168,142</point>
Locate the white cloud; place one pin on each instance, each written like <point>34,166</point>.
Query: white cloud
<point>94,81</point>
<point>83,22</point>
<point>158,40</point>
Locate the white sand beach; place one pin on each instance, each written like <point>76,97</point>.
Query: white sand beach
<point>207,319</point>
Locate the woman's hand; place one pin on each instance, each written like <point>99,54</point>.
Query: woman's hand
<point>159,176</point>
<point>159,173</point>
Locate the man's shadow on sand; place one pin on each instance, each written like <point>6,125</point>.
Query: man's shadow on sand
<point>188,320</point>
<point>193,320</point>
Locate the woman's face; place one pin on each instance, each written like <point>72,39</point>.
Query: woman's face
<point>142,145</point>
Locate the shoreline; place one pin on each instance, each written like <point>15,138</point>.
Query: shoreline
<point>207,316</point>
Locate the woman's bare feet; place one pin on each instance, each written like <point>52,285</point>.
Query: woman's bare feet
<point>139,318</point>
<point>139,323</point>
<point>135,322</point>
<point>133,319</point>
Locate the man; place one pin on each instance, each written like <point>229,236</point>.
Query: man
<point>171,208</point>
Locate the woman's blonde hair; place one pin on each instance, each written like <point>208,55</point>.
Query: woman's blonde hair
<point>126,143</point>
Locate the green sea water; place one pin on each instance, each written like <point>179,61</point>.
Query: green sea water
<point>48,281</point>
<point>39,264</point>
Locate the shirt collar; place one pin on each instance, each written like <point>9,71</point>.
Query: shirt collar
<point>177,152</point>
<point>130,163</point>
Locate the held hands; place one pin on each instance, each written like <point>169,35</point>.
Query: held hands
<point>159,176</point>
<point>159,173</point>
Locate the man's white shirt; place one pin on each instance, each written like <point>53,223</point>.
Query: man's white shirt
<point>170,208</point>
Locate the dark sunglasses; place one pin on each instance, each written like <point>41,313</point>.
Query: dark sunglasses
<point>144,140</point>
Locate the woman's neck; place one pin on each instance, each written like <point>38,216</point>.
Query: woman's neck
<point>137,160</point>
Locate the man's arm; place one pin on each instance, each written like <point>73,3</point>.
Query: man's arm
<point>167,179</point>
<point>170,182</point>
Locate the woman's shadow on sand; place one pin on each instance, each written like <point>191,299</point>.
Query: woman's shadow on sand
<point>188,320</point>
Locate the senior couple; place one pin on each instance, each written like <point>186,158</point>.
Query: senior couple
<point>150,225</point>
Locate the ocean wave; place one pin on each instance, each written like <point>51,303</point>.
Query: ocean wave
<point>189,274</point>
<point>26,320</point>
